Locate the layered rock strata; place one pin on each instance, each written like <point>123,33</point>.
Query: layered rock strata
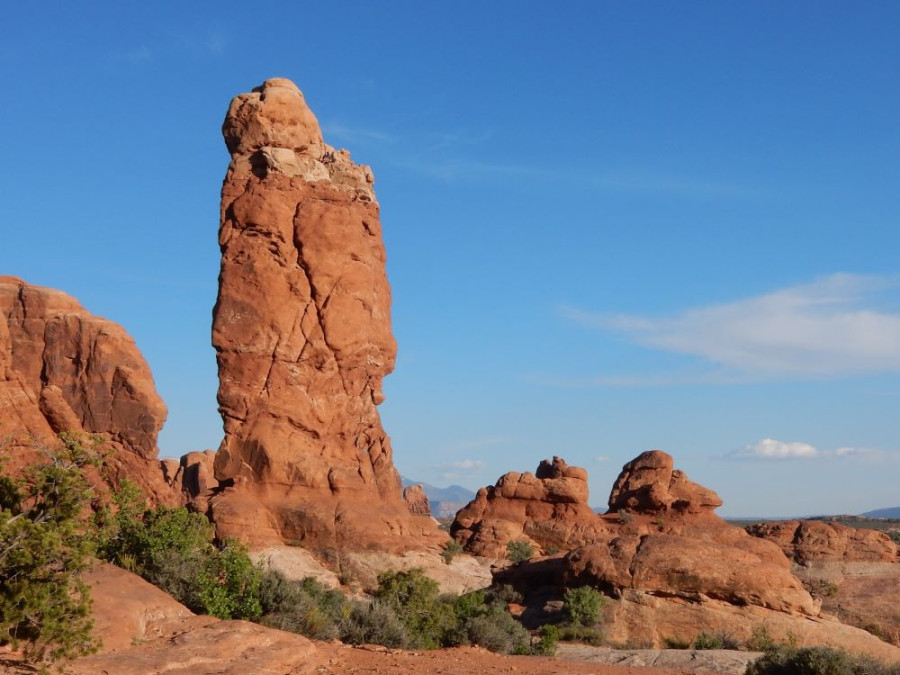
<point>62,369</point>
<point>806,541</point>
<point>303,339</point>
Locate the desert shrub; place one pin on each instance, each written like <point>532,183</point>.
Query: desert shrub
<point>173,549</point>
<point>498,631</point>
<point>451,549</point>
<point>519,550</point>
<point>504,595</point>
<point>586,634</point>
<point>760,639</point>
<point>787,660</point>
<point>43,603</point>
<point>707,641</point>
<point>822,588</point>
<point>625,517</point>
<point>583,605</point>
<point>675,642</point>
<point>549,637</point>
<point>416,601</point>
<point>375,623</point>
<point>229,583</point>
<point>304,607</point>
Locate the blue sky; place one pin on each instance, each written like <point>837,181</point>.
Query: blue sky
<point>610,226</point>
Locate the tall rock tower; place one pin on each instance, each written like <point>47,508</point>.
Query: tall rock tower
<point>303,338</point>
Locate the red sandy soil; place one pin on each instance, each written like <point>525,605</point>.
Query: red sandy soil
<point>338,659</point>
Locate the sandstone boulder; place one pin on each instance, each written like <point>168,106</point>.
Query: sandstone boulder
<point>548,508</point>
<point>303,339</point>
<point>651,484</point>
<point>63,369</point>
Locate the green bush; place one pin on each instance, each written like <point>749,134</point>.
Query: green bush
<point>43,603</point>
<point>549,637</point>
<point>376,623</point>
<point>173,549</point>
<point>416,601</point>
<point>760,639</point>
<point>451,549</point>
<point>498,631</point>
<point>707,641</point>
<point>583,605</point>
<point>591,636</point>
<point>787,660</point>
<point>519,551</point>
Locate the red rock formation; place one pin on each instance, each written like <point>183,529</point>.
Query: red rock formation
<point>144,630</point>
<point>303,338</point>
<point>549,509</point>
<point>416,500</point>
<point>806,541</point>
<point>650,484</point>
<point>63,369</point>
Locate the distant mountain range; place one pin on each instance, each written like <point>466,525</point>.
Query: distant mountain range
<point>893,512</point>
<point>444,502</point>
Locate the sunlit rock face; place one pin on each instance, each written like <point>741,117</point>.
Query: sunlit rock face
<point>302,333</point>
<point>63,369</point>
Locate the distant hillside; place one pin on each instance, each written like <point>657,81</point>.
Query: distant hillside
<point>893,512</point>
<point>444,502</point>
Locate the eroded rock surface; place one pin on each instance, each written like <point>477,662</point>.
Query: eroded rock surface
<point>548,508</point>
<point>145,631</point>
<point>416,500</point>
<point>814,540</point>
<point>651,484</point>
<point>62,369</point>
<point>303,339</point>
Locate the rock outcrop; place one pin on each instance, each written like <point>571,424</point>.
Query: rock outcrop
<point>144,630</point>
<point>63,369</point>
<point>806,541</point>
<point>651,484</point>
<point>549,509</point>
<point>416,500</point>
<point>303,339</point>
<point>672,567</point>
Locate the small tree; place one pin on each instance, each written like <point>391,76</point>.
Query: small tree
<point>583,605</point>
<point>43,603</point>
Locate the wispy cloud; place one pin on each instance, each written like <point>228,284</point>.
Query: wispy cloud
<point>828,328</point>
<point>352,134</point>
<point>771,449</point>
<point>204,42</point>
<point>462,465</point>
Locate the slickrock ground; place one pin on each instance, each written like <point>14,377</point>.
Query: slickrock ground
<point>146,632</point>
<point>64,369</point>
<point>303,340</point>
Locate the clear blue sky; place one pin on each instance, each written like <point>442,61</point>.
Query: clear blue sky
<point>611,226</point>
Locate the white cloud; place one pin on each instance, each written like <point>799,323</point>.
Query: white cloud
<point>601,459</point>
<point>769,448</point>
<point>826,328</point>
